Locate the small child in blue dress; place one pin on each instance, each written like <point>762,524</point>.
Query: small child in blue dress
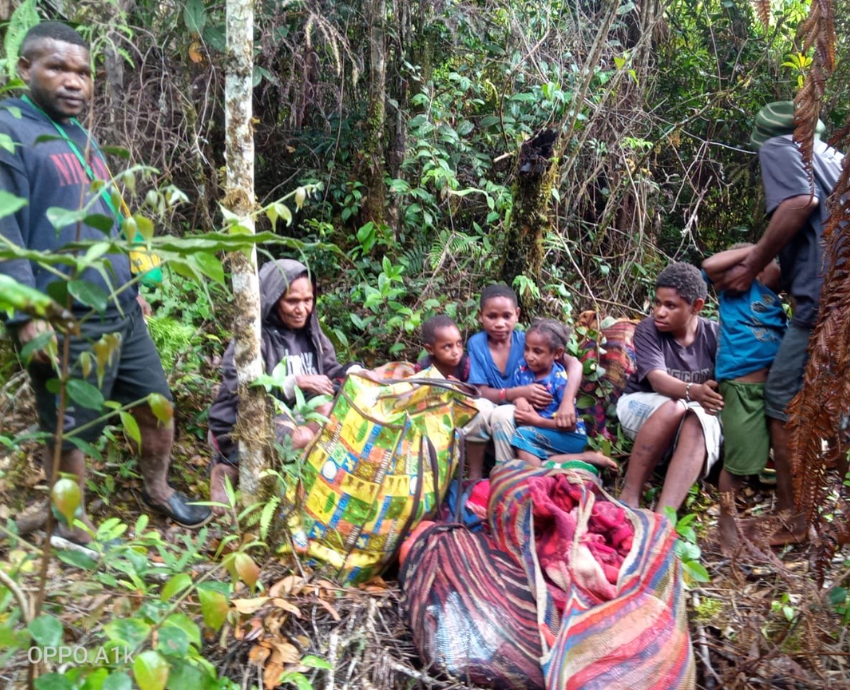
<point>538,438</point>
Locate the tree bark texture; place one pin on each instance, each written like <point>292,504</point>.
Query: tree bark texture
<point>536,172</point>
<point>252,428</point>
<point>375,123</point>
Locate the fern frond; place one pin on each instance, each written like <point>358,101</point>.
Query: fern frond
<point>762,8</point>
<point>455,243</point>
<point>816,411</point>
<point>267,516</point>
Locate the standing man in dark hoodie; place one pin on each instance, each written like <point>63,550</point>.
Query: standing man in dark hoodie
<point>291,334</point>
<point>54,163</point>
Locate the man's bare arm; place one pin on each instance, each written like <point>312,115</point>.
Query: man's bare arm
<point>787,220</point>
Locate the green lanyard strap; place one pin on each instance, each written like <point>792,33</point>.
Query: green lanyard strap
<point>75,149</point>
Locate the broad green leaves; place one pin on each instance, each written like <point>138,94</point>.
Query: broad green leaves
<point>46,630</point>
<point>9,203</point>
<point>150,670</point>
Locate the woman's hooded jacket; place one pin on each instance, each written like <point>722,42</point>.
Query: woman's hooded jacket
<point>307,351</point>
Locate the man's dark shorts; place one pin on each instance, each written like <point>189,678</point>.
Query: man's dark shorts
<point>134,373</point>
<point>786,373</point>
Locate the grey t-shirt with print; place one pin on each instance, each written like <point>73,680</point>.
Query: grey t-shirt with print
<point>656,350</point>
<point>784,177</point>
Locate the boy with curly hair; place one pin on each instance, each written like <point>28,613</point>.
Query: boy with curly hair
<point>671,402</point>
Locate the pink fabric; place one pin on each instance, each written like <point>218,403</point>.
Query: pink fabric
<point>606,543</point>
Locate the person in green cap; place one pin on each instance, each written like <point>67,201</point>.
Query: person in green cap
<point>53,163</point>
<point>794,236</point>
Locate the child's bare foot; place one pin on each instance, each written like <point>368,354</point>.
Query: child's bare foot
<point>218,490</point>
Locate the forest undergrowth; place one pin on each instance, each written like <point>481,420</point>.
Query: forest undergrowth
<point>652,104</point>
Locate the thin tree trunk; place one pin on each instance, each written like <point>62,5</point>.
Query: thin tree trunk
<point>375,123</point>
<point>536,172</point>
<point>252,428</point>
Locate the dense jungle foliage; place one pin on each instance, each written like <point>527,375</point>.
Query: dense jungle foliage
<point>394,145</point>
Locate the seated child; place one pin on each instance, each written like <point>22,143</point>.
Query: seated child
<point>442,341</point>
<point>752,325</point>
<point>494,355</point>
<point>540,438</point>
<point>671,402</point>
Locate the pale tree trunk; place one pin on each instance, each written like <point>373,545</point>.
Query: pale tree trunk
<point>252,428</point>
<point>375,123</point>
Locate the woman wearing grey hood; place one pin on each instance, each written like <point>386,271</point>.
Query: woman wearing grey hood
<point>290,334</point>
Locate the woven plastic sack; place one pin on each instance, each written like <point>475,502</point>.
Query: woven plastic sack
<point>381,464</point>
<point>612,349</point>
<point>470,610</point>
<point>632,636</point>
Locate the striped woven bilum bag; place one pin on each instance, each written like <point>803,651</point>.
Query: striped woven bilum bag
<point>470,609</point>
<point>607,622</point>
<point>380,465</point>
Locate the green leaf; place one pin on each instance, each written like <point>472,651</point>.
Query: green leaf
<point>53,681</point>
<point>66,496</point>
<point>116,151</point>
<point>118,680</point>
<point>130,631</point>
<point>161,407</point>
<point>61,218</point>
<point>150,670</point>
<point>47,630</point>
<point>96,679</point>
<point>77,559</point>
<point>837,596</point>
<point>214,606</point>
<point>696,571</point>
<point>585,402</point>
<point>144,228</point>
<point>85,446</point>
<point>195,16</point>
<point>85,394</point>
<point>187,625</point>
<point>98,221</point>
<point>9,203</point>
<point>173,641</point>
<point>315,662</point>
<point>131,427</point>
<point>38,343</point>
<point>184,676</point>
<point>89,294</point>
<point>210,265</point>
<point>176,584</point>
<point>21,298</point>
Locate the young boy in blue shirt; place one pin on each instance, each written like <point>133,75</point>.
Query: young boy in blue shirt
<point>494,355</point>
<point>752,325</point>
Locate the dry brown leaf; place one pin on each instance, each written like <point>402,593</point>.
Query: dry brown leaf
<point>330,609</point>
<point>286,606</point>
<point>195,54</point>
<point>303,640</point>
<point>258,655</point>
<point>286,585</point>
<point>257,629</point>
<point>285,653</point>
<point>249,606</point>
<point>272,675</point>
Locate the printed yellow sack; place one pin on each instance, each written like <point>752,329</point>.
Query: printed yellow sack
<point>379,466</point>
